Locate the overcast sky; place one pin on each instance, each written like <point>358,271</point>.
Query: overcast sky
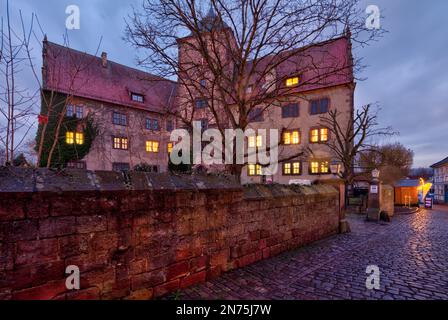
<point>407,69</point>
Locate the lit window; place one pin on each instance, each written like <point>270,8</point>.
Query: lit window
<point>152,146</point>
<point>287,168</point>
<point>319,135</point>
<point>291,168</point>
<point>124,143</point>
<point>295,137</point>
<point>296,168</point>
<point>120,143</point>
<point>314,167</point>
<point>69,137</point>
<point>324,134</point>
<point>291,137</point>
<point>315,135</point>
<point>79,138</point>
<point>255,141</point>
<point>287,137</point>
<point>321,167</point>
<point>137,97</point>
<point>254,170</point>
<point>170,147</point>
<point>324,167</point>
<point>292,81</point>
<point>117,143</point>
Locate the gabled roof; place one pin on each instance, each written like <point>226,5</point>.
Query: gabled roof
<point>80,74</point>
<point>408,183</point>
<point>440,163</point>
<point>318,65</point>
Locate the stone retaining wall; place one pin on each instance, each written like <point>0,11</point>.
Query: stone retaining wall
<point>141,236</point>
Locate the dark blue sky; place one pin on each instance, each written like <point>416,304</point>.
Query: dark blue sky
<point>407,69</point>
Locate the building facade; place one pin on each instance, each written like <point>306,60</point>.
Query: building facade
<point>135,116</point>
<point>441,181</point>
<point>130,109</point>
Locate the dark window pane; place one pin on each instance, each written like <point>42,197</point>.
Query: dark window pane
<point>295,110</point>
<point>204,124</point>
<point>148,124</point>
<point>324,106</point>
<point>314,107</point>
<point>290,110</point>
<point>256,115</point>
<point>169,125</point>
<point>69,112</point>
<point>155,124</point>
<point>201,103</point>
<point>79,112</point>
<point>116,118</point>
<point>120,166</point>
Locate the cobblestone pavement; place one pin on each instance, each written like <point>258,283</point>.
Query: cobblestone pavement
<point>411,252</point>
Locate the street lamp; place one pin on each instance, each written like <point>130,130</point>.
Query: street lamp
<point>335,167</point>
<point>375,174</point>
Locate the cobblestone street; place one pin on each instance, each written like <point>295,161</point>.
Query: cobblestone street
<point>411,252</point>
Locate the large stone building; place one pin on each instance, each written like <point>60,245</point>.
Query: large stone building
<point>134,114</point>
<point>129,107</point>
<point>441,181</point>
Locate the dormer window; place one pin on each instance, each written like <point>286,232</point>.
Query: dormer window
<point>137,97</point>
<point>293,81</point>
<point>200,103</point>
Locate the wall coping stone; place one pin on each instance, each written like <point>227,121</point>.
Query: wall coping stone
<point>30,180</point>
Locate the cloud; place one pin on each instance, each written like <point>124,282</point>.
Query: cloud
<point>406,73</point>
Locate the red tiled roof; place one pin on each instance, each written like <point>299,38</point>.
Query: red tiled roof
<point>73,72</point>
<point>319,65</point>
<point>80,74</point>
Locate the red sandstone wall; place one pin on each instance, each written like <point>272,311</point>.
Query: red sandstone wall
<point>140,244</point>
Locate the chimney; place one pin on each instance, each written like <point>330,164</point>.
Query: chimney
<point>104,59</point>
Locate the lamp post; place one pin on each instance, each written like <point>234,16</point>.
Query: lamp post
<point>335,169</point>
<point>373,211</point>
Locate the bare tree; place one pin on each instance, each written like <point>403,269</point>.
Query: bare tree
<point>393,160</point>
<point>231,64</point>
<point>349,141</point>
<point>17,104</point>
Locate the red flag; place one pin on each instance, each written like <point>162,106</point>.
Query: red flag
<point>42,119</point>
